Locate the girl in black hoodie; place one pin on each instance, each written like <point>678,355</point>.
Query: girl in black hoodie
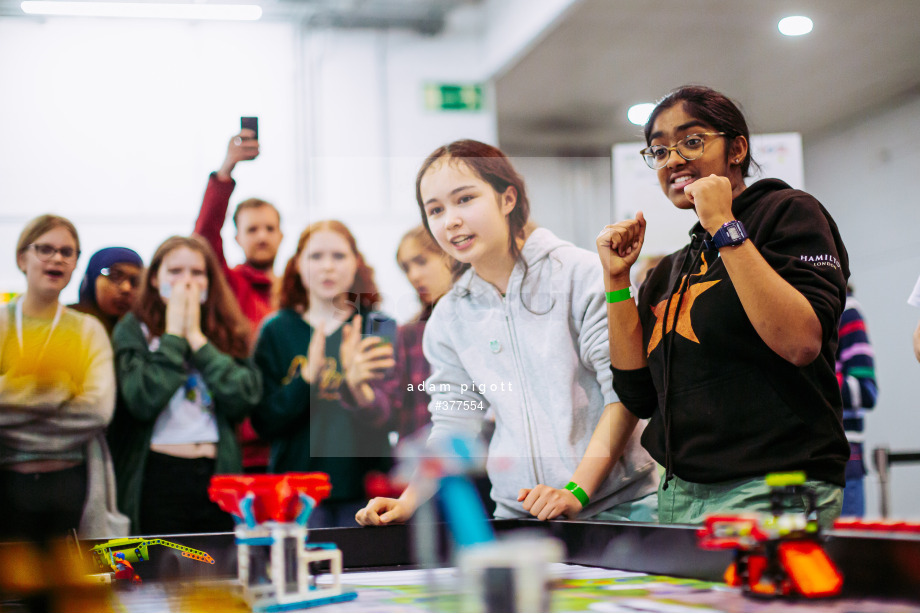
<point>730,350</point>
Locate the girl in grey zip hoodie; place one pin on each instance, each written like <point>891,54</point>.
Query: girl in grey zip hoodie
<point>545,373</point>
<point>523,332</point>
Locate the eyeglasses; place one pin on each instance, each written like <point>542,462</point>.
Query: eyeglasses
<point>689,148</point>
<point>46,252</point>
<point>118,277</point>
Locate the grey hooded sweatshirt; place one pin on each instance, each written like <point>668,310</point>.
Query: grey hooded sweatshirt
<point>538,358</point>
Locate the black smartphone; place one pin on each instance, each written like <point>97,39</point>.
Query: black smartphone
<point>377,325</point>
<point>251,123</point>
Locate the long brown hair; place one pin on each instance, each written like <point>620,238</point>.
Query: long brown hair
<point>426,242</point>
<point>493,167</point>
<point>362,295</point>
<point>222,321</point>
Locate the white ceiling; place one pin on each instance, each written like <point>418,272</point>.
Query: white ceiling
<point>570,94</point>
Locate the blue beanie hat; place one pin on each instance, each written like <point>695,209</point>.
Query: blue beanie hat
<point>104,258</point>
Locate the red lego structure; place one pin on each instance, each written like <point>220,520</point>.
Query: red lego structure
<point>260,498</point>
<point>274,556</point>
<point>777,554</point>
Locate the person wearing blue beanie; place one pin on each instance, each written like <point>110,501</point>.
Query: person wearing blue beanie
<point>110,285</point>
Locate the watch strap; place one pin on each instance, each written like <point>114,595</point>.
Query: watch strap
<point>729,235</point>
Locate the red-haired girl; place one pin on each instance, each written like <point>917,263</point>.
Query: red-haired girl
<point>322,409</point>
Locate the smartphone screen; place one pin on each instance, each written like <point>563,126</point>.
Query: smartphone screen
<point>251,123</point>
<point>380,326</point>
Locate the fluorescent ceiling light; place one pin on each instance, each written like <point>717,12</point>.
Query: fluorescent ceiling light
<point>638,113</point>
<point>796,25</point>
<point>232,12</point>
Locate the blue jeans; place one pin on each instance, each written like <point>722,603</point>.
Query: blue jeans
<point>854,498</point>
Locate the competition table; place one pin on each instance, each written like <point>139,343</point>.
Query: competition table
<point>609,567</point>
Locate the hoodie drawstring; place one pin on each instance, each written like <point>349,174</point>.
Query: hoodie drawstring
<point>695,242</point>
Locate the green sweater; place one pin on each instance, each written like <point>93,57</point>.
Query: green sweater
<point>312,428</point>
<point>147,381</point>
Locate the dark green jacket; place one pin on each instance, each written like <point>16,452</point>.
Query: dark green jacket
<point>312,428</point>
<point>147,381</point>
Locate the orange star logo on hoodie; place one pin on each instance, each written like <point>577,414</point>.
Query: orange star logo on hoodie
<point>683,325</point>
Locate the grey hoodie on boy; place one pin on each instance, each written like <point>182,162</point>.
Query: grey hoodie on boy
<point>539,358</point>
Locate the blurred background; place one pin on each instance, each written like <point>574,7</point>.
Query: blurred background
<point>115,122</point>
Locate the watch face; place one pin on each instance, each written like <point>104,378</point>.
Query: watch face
<point>734,233</point>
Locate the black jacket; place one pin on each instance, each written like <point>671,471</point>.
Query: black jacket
<point>735,409</point>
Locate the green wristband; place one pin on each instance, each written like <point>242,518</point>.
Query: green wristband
<point>620,295</point>
<point>579,493</point>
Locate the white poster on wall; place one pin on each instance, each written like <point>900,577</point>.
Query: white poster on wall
<point>636,187</point>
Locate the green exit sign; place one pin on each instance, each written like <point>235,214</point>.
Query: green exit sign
<point>453,97</point>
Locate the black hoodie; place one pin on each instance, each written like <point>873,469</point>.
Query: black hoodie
<point>735,409</point>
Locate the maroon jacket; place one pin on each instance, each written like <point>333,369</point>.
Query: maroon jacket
<point>252,288</point>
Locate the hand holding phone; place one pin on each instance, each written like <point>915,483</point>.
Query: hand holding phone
<point>366,356</point>
<point>243,146</point>
<point>250,123</point>
<point>378,325</point>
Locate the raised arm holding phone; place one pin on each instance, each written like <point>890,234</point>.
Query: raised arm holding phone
<point>258,226</point>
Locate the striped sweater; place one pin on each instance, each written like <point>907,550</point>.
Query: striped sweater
<point>855,369</point>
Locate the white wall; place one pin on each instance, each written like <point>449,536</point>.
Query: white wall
<point>116,125</point>
<point>866,175</point>
<point>371,133</point>
<point>569,195</point>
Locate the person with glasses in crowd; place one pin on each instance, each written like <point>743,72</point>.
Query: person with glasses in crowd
<point>110,285</point>
<point>730,350</point>
<point>57,392</point>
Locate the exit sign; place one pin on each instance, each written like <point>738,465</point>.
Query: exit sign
<point>453,97</point>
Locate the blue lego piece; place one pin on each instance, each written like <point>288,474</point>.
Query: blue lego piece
<point>464,512</point>
<point>309,603</point>
<point>246,510</point>
<point>256,541</point>
<point>309,504</point>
